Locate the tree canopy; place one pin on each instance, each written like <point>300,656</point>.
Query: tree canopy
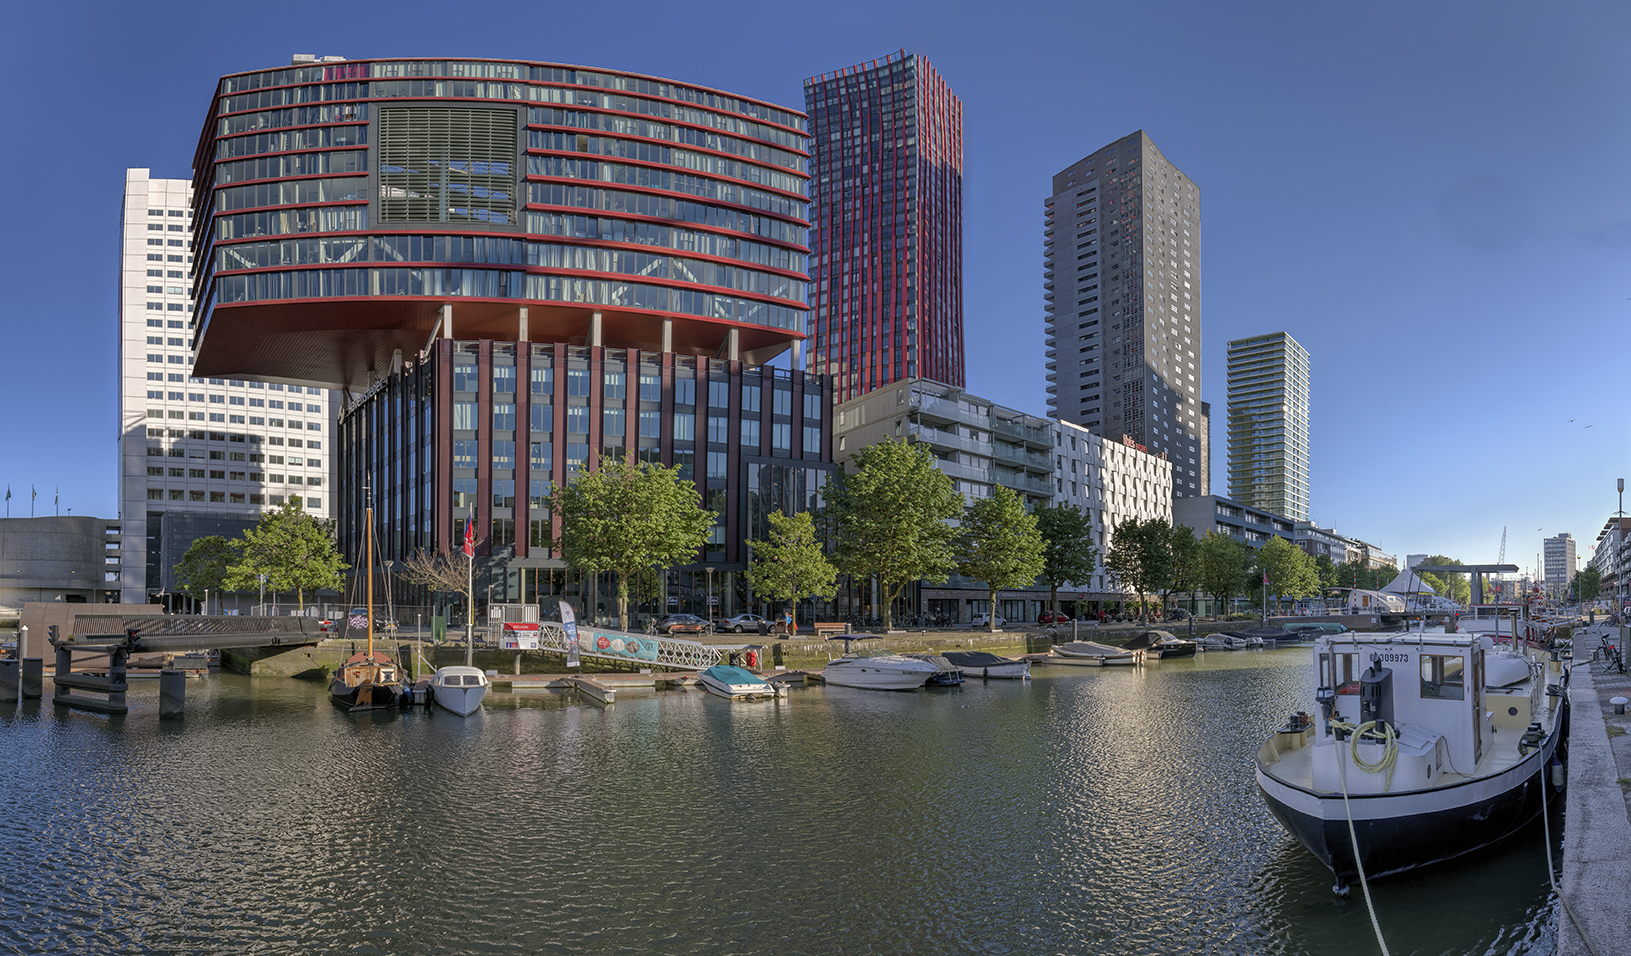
<point>295,551</point>
<point>790,565</point>
<point>205,566</point>
<point>891,516</point>
<point>1140,555</point>
<point>1290,570</point>
<point>627,517</point>
<point>1069,556</point>
<point>1223,561</point>
<point>1185,574</point>
<point>1000,545</point>
<point>1588,584</point>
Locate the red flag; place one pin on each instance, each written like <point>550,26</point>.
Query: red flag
<point>470,533</point>
<point>1265,574</point>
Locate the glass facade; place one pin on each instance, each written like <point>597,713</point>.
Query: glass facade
<point>887,195</point>
<point>453,432</point>
<point>677,207</point>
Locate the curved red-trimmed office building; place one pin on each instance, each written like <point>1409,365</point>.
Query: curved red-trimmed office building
<point>348,211</point>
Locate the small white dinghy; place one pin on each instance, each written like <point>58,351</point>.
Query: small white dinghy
<point>737,683</point>
<point>459,689</point>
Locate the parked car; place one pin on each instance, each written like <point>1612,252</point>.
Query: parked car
<point>683,624</point>
<point>981,620</point>
<point>740,623</point>
<point>1053,617</point>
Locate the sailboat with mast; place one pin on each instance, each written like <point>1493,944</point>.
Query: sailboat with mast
<point>369,680</point>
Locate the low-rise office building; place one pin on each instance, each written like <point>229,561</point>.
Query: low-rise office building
<point>980,445</point>
<point>72,559</point>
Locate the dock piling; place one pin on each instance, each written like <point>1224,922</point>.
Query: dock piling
<point>33,678</point>
<point>172,693</point>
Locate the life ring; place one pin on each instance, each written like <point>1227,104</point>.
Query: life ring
<point>753,659</point>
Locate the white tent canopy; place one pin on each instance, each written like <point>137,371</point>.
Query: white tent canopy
<point>1408,582</point>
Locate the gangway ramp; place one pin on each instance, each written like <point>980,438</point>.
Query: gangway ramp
<point>647,650</point>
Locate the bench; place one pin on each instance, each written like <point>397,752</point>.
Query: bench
<point>826,629</point>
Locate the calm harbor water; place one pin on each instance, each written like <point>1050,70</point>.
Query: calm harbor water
<point>1090,811</point>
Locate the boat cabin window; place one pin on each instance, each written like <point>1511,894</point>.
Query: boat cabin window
<point>471,680</point>
<point>1340,671</point>
<point>1443,676</point>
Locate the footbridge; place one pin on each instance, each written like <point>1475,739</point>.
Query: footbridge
<point>117,636</point>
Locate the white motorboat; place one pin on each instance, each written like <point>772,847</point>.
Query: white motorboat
<point>949,674</point>
<point>737,683</point>
<point>1159,645</point>
<point>882,672</point>
<point>459,689</point>
<point>984,664</point>
<point>1441,743</point>
<point>1094,654</point>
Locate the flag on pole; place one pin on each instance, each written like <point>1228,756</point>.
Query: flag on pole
<point>1265,575</point>
<point>470,533</point>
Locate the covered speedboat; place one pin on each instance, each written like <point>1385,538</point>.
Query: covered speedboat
<point>738,683</point>
<point>1160,645</point>
<point>459,689</point>
<point>879,672</point>
<point>1440,743</point>
<point>1094,654</point>
<point>988,665</point>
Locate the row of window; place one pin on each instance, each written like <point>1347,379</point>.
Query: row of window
<point>643,86</point>
<point>295,164</point>
<point>647,178</point>
<point>226,400</point>
<point>663,207</point>
<point>197,435</point>
<point>226,497</point>
<point>658,153</point>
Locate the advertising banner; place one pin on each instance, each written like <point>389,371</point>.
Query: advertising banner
<point>569,623</point>
<point>520,636</point>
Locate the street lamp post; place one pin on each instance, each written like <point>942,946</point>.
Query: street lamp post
<point>710,596</point>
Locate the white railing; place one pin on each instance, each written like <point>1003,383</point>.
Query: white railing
<point>652,650</point>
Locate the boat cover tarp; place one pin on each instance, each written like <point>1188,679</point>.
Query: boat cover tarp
<point>1146,640</point>
<point>975,659</point>
<point>730,674</point>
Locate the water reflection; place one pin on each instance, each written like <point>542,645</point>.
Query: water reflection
<point>1088,811</point>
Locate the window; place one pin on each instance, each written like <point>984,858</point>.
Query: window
<point>651,387</point>
<point>503,454</point>
<point>651,424</point>
<point>781,436</point>
<point>719,394</point>
<point>503,492</point>
<point>812,440</point>
<point>577,420</point>
<point>750,433</point>
<point>615,388</point>
<point>464,378</point>
<point>504,416</point>
<point>154,494</point>
<point>464,492</point>
<point>685,427</point>
<point>685,391</point>
<point>719,429</point>
<point>543,381</point>
<point>542,456</point>
<point>464,416</point>
<point>577,383</point>
<point>1443,677</point>
<point>751,400</point>
<point>812,406</point>
<point>504,379</point>
<point>718,464</point>
<point>464,454</point>
<point>612,423</point>
<point>542,417</point>
<point>784,401</point>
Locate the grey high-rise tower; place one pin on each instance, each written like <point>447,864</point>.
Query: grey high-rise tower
<point>1268,424</point>
<point>1123,268</point>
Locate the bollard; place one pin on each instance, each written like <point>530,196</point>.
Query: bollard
<point>172,693</point>
<point>33,677</point>
<point>9,682</point>
<point>1619,704</point>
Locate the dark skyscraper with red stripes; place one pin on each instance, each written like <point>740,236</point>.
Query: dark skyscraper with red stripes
<point>886,266</point>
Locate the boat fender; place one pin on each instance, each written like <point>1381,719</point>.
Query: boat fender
<point>753,658</point>
<point>1559,775</point>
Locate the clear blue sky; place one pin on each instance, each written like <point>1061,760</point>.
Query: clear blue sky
<point>1430,197</point>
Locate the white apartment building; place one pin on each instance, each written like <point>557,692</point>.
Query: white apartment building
<point>1111,482</point>
<point>196,456</point>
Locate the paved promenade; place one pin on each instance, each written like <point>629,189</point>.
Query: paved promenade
<point>1597,838</point>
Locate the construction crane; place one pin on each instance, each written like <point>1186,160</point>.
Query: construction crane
<point>1501,559</point>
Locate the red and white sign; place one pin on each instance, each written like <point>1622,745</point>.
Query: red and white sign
<point>519,637</point>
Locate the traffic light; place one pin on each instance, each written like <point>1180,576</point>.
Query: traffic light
<point>51,632</point>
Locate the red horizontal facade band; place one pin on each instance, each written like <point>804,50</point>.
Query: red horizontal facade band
<point>415,229</point>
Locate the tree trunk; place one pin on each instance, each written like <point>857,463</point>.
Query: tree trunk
<point>623,601</point>
<point>991,618</point>
<point>1053,599</point>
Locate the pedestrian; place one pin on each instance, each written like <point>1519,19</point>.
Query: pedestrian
<point>787,620</point>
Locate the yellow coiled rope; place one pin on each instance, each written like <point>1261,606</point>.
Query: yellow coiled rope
<point>1390,747</point>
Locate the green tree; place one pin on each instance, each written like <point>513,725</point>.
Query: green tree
<point>1140,556</point>
<point>1000,545</point>
<point>295,551</point>
<point>1290,570</point>
<point>628,517</point>
<point>1186,563</point>
<point>1588,584</point>
<point>1223,561</point>
<point>1453,585</point>
<point>1327,571</point>
<point>205,566</point>
<point>891,516</point>
<point>791,565</point>
<point>1069,556</point>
